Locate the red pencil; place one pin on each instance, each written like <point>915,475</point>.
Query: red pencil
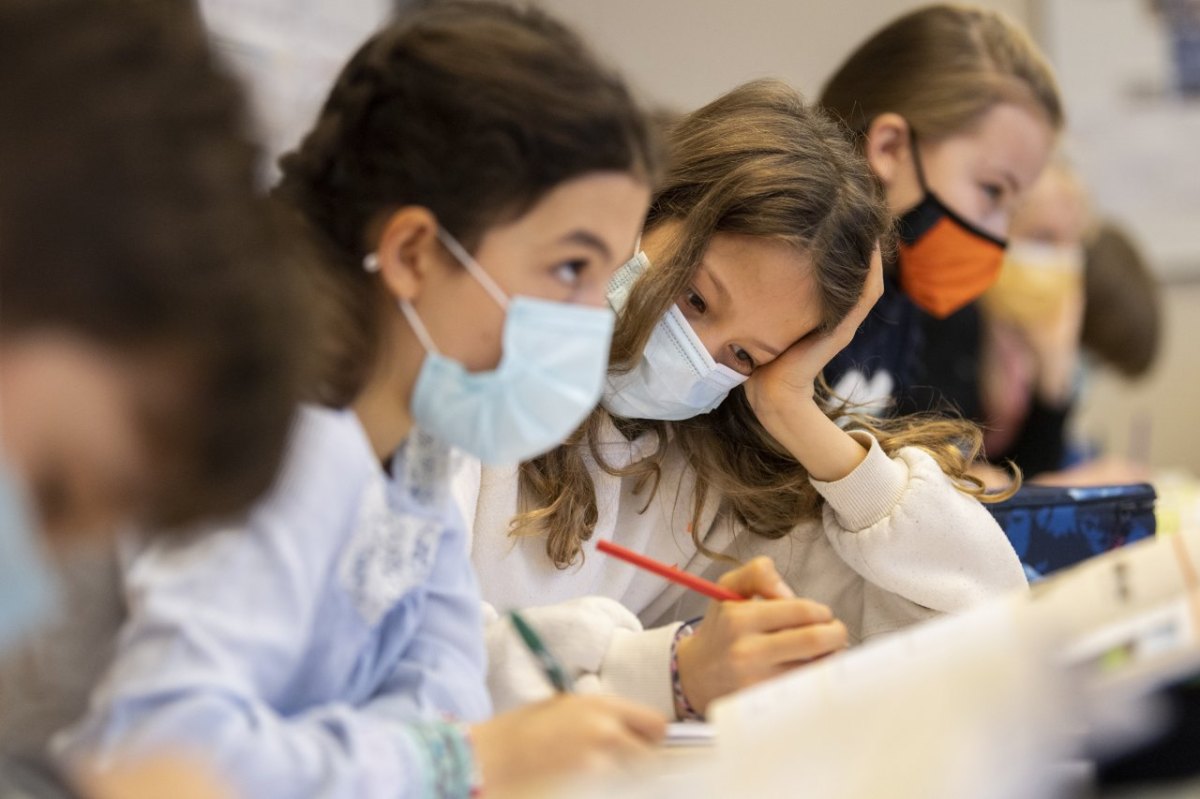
<point>673,573</point>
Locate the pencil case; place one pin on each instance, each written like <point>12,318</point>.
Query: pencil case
<point>1053,527</point>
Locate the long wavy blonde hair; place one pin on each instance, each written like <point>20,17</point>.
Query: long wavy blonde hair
<point>760,162</point>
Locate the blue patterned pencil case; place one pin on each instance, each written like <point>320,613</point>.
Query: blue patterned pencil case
<point>1053,527</point>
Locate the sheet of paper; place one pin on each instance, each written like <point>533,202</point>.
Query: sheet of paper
<point>961,706</point>
<point>690,733</point>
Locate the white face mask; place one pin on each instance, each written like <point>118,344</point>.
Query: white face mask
<point>676,377</point>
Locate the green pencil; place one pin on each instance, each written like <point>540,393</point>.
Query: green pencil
<point>555,673</point>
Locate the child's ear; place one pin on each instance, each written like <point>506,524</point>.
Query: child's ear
<point>889,148</point>
<point>407,251</point>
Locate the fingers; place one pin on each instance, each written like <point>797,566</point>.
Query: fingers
<point>797,645</point>
<point>754,658</point>
<point>746,618</point>
<point>757,578</point>
<point>872,291</point>
<point>647,724</point>
<point>613,731</point>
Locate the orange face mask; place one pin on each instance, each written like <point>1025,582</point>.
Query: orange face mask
<point>945,261</point>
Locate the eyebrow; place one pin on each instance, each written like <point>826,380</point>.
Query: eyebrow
<point>717,284</point>
<point>588,239</point>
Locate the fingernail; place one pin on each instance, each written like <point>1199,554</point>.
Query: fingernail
<point>783,591</point>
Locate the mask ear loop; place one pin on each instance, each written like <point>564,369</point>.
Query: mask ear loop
<point>471,265</point>
<point>912,140</point>
<point>418,327</point>
<point>371,264</point>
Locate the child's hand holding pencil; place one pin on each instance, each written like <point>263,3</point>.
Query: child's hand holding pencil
<point>521,752</point>
<point>738,644</point>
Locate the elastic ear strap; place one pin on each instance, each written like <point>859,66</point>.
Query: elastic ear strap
<point>472,266</point>
<point>418,327</point>
<point>912,140</point>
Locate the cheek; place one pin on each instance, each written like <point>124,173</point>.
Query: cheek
<point>593,290</point>
<point>951,177</point>
<point>467,326</point>
<point>969,202</point>
<point>975,206</point>
<point>74,508</point>
<point>94,484</point>
<point>998,223</point>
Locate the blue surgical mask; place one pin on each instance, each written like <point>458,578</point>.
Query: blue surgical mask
<point>28,584</point>
<point>676,377</point>
<point>550,376</point>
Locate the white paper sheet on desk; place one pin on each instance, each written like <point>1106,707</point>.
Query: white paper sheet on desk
<point>961,706</point>
<point>690,733</point>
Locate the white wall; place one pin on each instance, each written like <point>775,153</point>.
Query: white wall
<point>683,53</point>
<point>1116,412</point>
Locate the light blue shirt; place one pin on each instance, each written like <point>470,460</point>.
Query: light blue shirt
<point>296,649</point>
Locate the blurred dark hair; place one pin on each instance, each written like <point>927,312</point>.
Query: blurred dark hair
<point>474,110</point>
<point>128,216</point>
<point>1122,318</point>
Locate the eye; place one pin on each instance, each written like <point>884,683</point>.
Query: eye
<point>994,192</point>
<point>693,298</point>
<point>568,273</point>
<point>744,359</point>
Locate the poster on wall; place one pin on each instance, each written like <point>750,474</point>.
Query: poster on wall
<point>1130,75</point>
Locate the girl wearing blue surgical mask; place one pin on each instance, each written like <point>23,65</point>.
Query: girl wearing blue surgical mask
<point>472,183</point>
<point>714,443</point>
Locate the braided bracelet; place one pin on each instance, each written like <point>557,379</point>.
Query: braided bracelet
<point>452,772</point>
<point>687,712</point>
<point>467,754</point>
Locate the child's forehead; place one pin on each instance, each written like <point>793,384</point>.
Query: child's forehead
<point>768,285</point>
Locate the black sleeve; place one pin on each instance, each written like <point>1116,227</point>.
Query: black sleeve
<point>1041,444</point>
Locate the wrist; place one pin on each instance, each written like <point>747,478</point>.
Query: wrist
<point>472,757</point>
<point>453,768</point>
<point>685,710</point>
<point>827,452</point>
<point>789,420</point>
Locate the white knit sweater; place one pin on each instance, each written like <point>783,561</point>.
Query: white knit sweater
<point>898,543</point>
